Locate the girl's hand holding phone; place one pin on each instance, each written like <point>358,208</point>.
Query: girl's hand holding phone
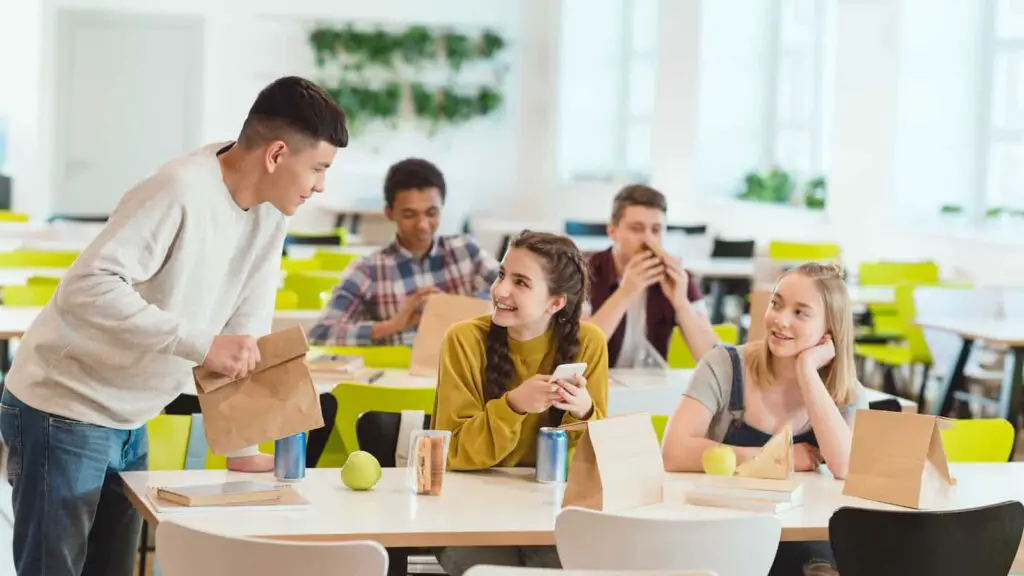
<point>575,398</point>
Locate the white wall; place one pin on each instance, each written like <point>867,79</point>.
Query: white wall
<point>249,43</point>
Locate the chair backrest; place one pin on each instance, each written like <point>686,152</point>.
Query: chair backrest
<point>168,441</point>
<point>690,229</point>
<point>355,399</point>
<point>679,354</point>
<point>978,541</point>
<point>289,265</point>
<point>184,551</point>
<point>978,440</point>
<point>27,294</point>
<point>732,248</point>
<point>332,260</point>
<point>892,273</point>
<point>576,228</point>
<point>797,251</point>
<point>887,404</point>
<point>587,539</point>
<point>312,287</point>
<point>374,356</point>
<point>29,258</point>
<point>286,300</point>
<point>377,433</point>
<point>487,570</point>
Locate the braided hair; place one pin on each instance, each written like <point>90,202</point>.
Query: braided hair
<point>566,275</point>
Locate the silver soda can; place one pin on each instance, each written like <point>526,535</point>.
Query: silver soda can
<point>290,458</point>
<point>552,455</point>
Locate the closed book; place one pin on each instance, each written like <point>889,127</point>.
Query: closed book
<point>221,493</point>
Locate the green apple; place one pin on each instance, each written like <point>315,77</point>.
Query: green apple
<point>361,471</point>
<point>719,460</point>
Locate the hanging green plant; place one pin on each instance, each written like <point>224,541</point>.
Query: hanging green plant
<point>488,100</point>
<point>458,49</point>
<point>325,44</point>
<point>364,105</point>
<point>491,44</point>
<point>418,45</point>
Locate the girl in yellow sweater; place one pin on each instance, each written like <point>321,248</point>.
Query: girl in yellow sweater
<point>494,390</point>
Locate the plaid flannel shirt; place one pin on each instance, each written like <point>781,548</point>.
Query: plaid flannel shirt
<point>373,288</point>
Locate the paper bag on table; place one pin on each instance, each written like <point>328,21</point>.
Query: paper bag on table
<point>277,400</point>
<point>897,458</point>
<point>616,466</point>
<point>440,312</point>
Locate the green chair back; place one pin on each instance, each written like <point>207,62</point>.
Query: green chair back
<point>290,265</point>
<point>355,399</point>
<point>42,280</point>
<point>333,260</point>
<point>802,251</point>
<point>286,300</point>
<point>978,440</point>
<point>312,288</point>
<point>168,441</point>
<point>26,258</point>
<point>373,356</point>
<point>892,273</point>
<point>9,216</point>
<point>27,295</point>
<point>679,354</point>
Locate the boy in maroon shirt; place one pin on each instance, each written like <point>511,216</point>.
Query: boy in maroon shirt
<point>637,296</point>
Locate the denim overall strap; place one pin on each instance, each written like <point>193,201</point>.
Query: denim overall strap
<point>736,389</point>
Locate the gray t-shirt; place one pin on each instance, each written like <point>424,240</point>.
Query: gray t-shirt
<point>711,385</point>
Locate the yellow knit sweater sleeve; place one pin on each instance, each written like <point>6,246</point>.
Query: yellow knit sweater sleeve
<point>483,433</point>
<point>593,351</point>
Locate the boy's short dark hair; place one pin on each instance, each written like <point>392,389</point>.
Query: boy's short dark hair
<point>637,195</point>
<point>297,111</point>
<point>412,174</point>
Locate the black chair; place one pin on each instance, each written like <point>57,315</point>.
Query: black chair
<point>576,228</point>
<point>689,230</point>
<point>888,404</point>
<point>977,541</point>
<point>377,433</point>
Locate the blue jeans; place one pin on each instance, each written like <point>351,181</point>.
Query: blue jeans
<point>71,516</point>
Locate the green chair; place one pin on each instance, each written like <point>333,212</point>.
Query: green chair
<point>399,357</point>
<point>9,216</point>
<point>355,399</point>
<point>679,355</point>
<point>286,300</point>
<point>803,251</point>
<point>912,350</point>
<point>885,317</point>
<point>333,260</point>
<point>660,422</point>
<point>290,265</point>
<point>168,441</point>
<point>311,287</point>
<point>26,258</point>
<point>27,295</point>
<point>42,280</point>
<point>978,440</point>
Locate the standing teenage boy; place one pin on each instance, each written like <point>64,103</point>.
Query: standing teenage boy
<point>183,274</point>
<point>638,297</point>
<point>379,298</point>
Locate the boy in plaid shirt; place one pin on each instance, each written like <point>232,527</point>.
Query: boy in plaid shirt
<point>378,299</point>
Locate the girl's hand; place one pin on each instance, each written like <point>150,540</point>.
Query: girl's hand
<point>535,395</point>
<point>816,357</point>
<point>806,457</point>
<point>574,397</point>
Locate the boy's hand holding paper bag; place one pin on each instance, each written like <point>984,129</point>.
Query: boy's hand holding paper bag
<point>275,400</point>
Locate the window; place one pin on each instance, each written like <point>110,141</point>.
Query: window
<point>797,115</point>
<point>1003,167</point>
<point>607,86</point>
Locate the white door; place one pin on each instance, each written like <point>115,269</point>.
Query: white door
<point>129,90</point>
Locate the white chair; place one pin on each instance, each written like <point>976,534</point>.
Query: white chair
<point>184,551</point>
<point>516,571</point>
<point>737,546</point>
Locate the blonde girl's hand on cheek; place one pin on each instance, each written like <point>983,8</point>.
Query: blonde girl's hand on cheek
<point>816,357</point>
<point>574,397</point>
<point>806,457</point>
<point>534,395</point>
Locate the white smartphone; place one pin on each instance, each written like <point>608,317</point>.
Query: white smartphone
<point>567,371</point>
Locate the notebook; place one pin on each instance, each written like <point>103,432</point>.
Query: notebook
<point>220,493</point>
<point>287,498</point>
